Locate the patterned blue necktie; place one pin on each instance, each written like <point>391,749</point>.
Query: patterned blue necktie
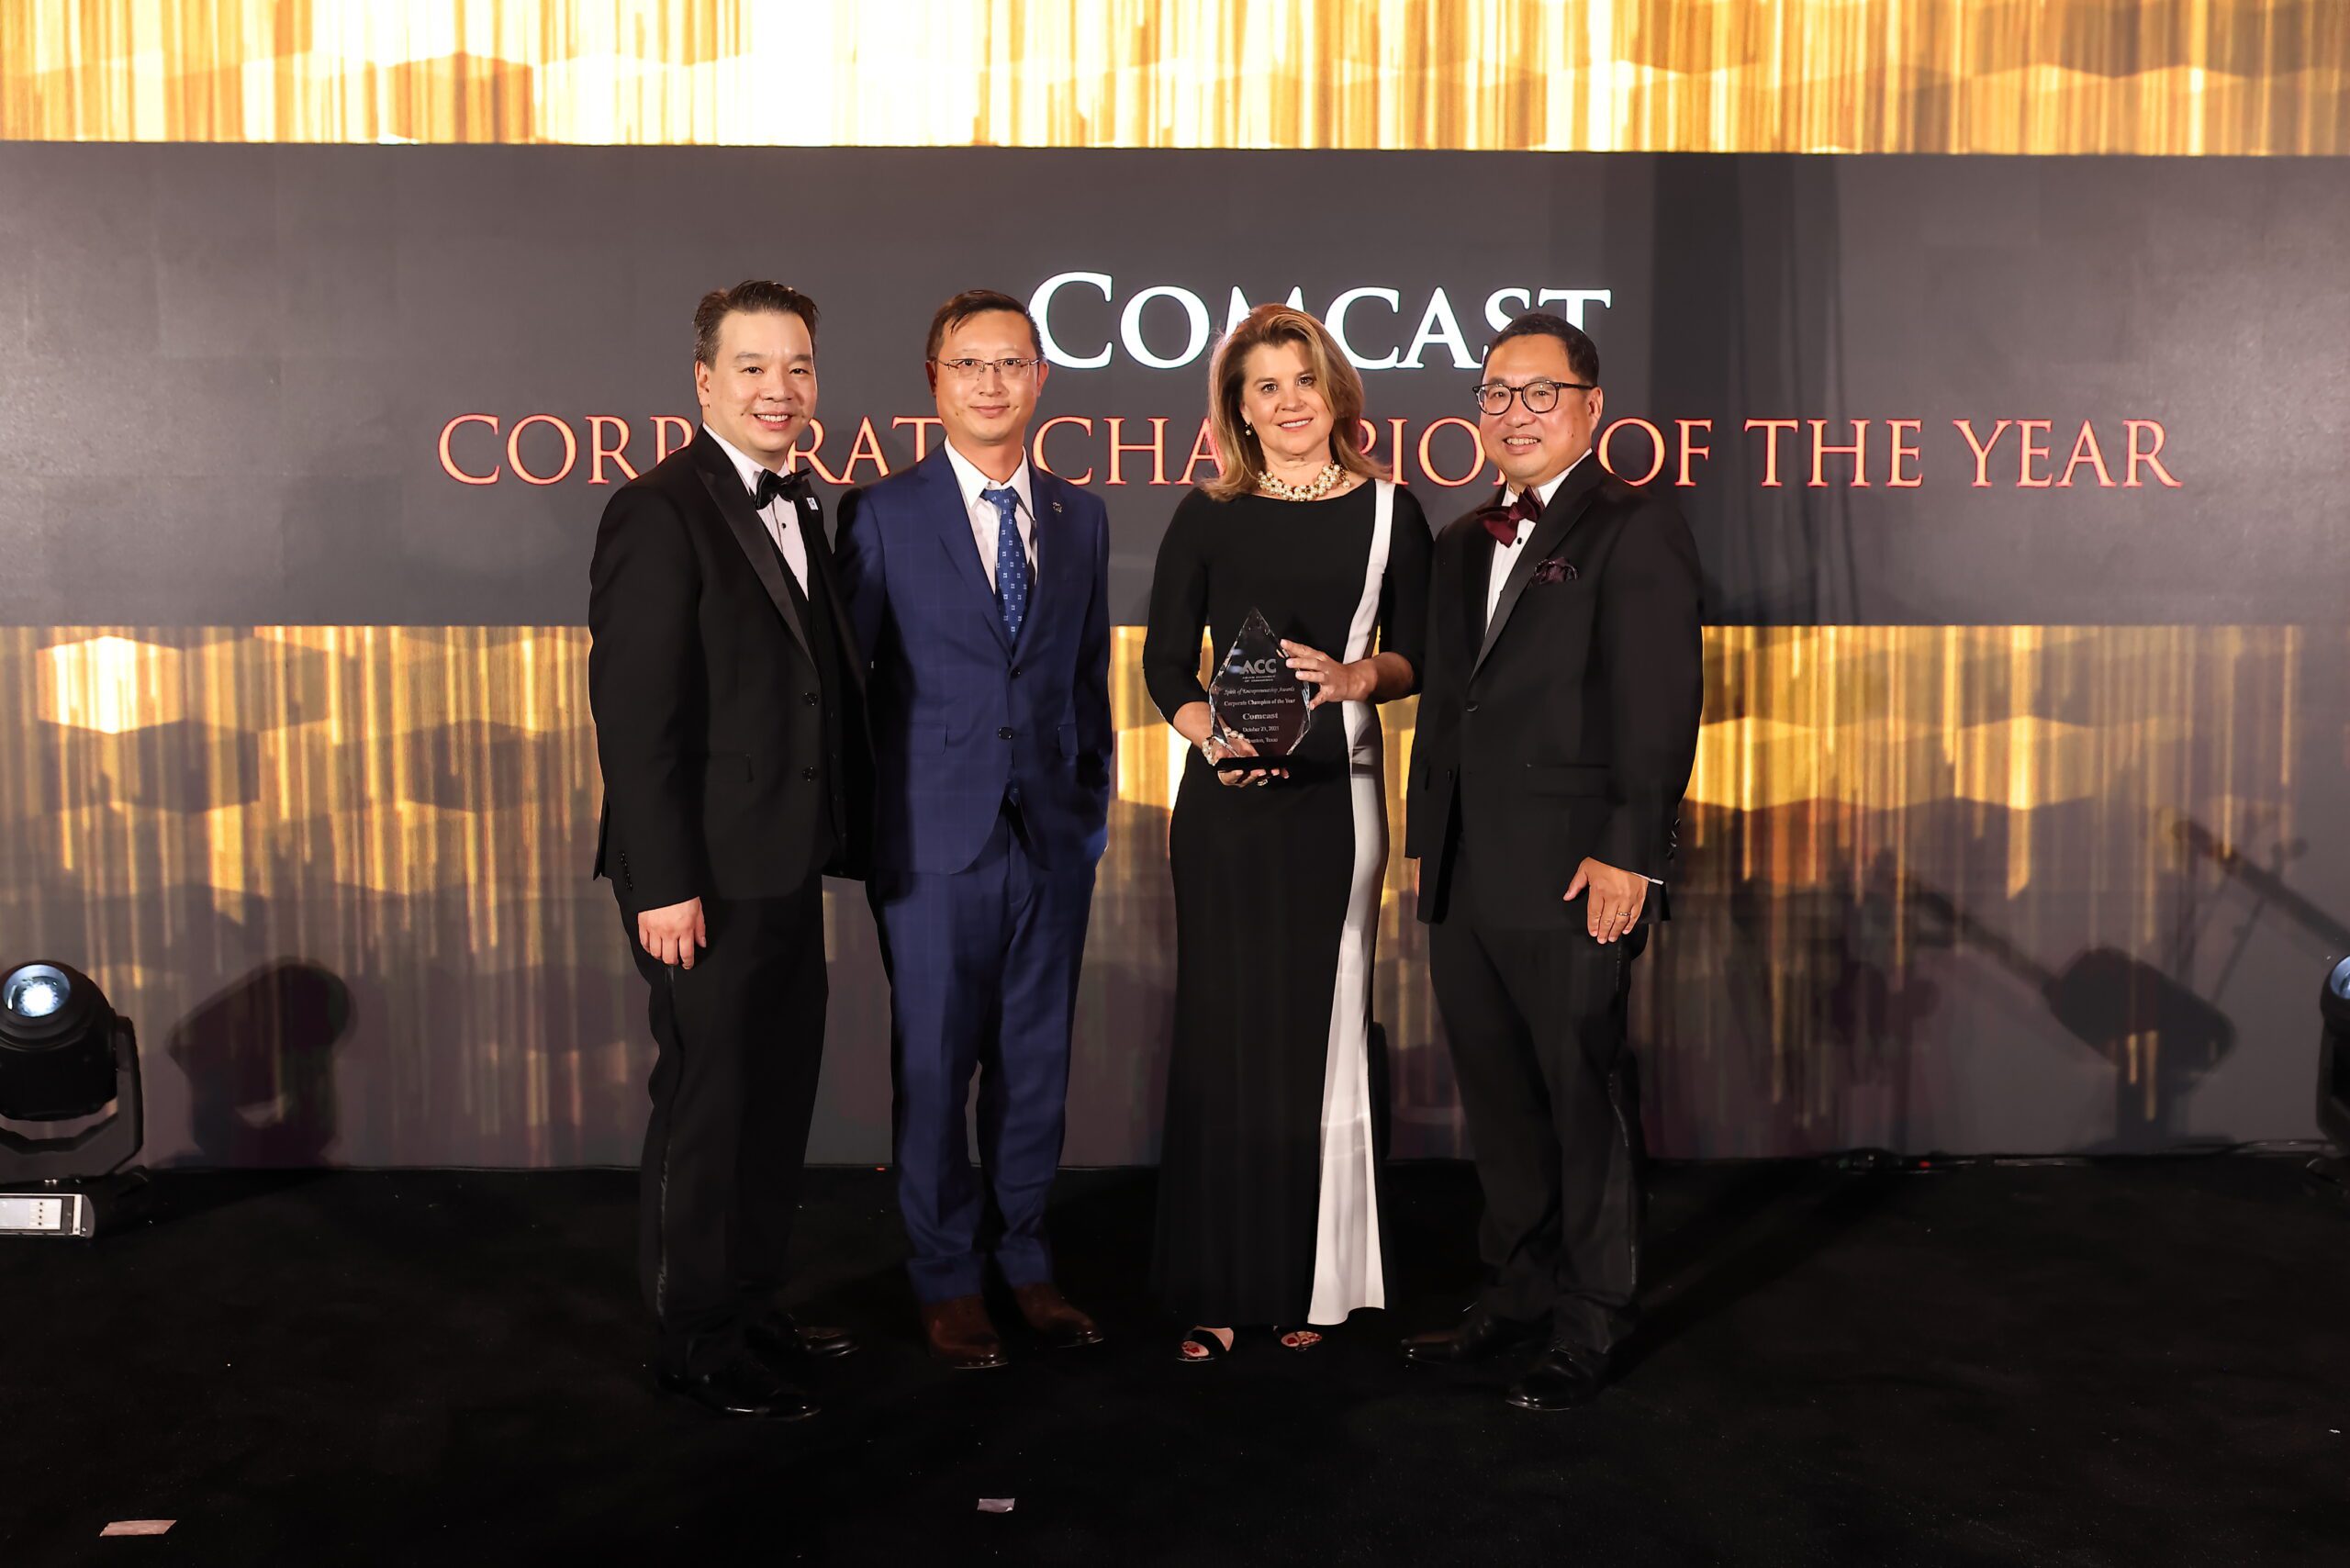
<point>1011,561</point>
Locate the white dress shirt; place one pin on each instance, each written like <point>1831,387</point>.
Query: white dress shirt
<point>986,523</point>
<point>782,527</point>
<point>1506,556</point>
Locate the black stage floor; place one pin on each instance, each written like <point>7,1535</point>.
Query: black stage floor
<point>2128,1364</point>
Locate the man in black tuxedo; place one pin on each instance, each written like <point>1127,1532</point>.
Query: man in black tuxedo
<point>1558,722</point>
<point>730,726</point>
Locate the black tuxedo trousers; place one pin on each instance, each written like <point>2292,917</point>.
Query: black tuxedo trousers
<point>1536,1017</point>
<point>740,1038</point>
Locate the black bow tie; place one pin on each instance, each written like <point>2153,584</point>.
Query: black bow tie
<point>791,485</point>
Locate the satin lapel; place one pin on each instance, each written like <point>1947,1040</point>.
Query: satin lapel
<point>944,506</point>
<point>1559,519</point>
<point>819,566</point>
<point>726,493</point>
<point>1476,570</point>
<point>1059,561</point>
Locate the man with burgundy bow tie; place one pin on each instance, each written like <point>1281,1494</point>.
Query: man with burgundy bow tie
<point>979,588</point>
<point>730,726</point>
<point>1557,723</point>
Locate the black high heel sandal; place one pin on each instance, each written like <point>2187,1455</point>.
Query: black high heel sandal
<point>1213,1347</point>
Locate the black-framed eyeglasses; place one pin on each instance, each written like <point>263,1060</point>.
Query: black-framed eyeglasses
<point>973,369</point>
<point>1539,396</point>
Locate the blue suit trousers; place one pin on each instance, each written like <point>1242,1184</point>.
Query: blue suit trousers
<point>983,970</point>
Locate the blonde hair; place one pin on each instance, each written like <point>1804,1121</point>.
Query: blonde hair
<point>1238,455</point>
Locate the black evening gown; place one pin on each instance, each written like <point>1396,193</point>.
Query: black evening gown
<point>1267,1189</point>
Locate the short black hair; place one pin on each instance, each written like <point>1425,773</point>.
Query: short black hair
<point>751,293</point>
<point>978,302</point>
<point>1583,354</point>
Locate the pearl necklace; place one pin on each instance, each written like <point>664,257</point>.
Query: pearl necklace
<point>1321,485</point>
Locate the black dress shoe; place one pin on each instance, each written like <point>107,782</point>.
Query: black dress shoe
<point>824,1343</point>
<point>738,1383</point>
<point>789,1346</point>
<point>1560,1379</point>
<point>1479,1336</point>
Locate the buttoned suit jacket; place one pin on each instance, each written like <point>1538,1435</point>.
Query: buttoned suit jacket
<point>962,713</point>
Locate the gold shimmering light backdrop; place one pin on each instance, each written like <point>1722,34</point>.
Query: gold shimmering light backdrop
<point>2030,887</point>
<point>2038,76</point>
<point>1894,836</point>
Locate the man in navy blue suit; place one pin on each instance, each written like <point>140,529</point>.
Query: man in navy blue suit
<point>978,587</point>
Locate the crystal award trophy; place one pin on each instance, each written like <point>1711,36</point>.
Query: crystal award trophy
<point>1256,697</point>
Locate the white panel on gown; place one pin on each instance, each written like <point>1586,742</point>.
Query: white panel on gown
<point>1348,1272</point>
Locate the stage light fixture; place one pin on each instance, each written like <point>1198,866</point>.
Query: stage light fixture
<point>35,991</point>
<point>65,1054</point>
<point>2333,1057</point>
<point>56,1045</point>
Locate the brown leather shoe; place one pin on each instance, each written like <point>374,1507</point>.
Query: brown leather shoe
<point>1048,1312</point>
<point>960,1334</point>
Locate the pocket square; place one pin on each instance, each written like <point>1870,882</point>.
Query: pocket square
<point>1555,569</point>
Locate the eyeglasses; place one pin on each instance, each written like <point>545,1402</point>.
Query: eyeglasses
<point>1539,396</point>
<point>974,369</point>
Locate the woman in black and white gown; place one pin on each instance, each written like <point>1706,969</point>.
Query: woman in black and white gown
<point>1269,1183</point>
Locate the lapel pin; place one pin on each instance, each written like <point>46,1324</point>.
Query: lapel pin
<point>1057,506</point>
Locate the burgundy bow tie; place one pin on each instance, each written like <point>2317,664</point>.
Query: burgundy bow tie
<point>1501,521</point>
